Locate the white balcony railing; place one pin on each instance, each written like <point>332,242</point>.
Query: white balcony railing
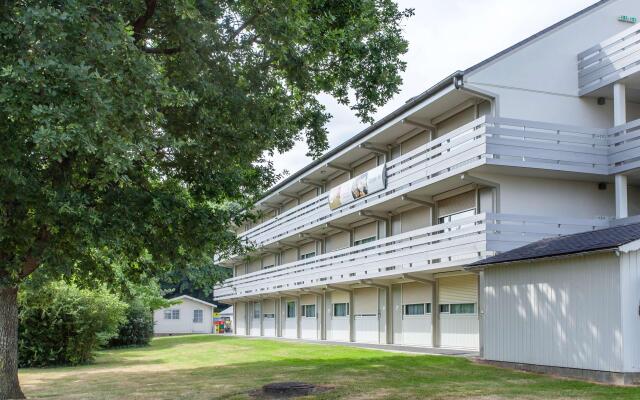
<point>435,247</point>
<point>609,61</point>
<point>624,147</point>
<point>487,140</point>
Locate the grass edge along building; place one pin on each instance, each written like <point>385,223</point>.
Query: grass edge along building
<point>370,243</point>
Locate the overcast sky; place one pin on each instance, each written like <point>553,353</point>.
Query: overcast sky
<point>445,36</point>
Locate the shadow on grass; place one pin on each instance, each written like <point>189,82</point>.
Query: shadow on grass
<point>388,376</point>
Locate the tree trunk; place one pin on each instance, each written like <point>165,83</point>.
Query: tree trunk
<point>9,384</point>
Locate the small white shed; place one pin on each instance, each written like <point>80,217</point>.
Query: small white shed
<point>190,315</point>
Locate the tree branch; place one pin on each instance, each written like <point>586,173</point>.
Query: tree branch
<point>242,27</point>
<point>155,50</point>
<point>141,22</point>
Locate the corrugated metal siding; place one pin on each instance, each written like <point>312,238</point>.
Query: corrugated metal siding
<point>240,319</point>
<point>342,178</point>
<point>415,292</point>
<point>365,301</point>
<point>629,292</point>
<point>414,142</point>
<point>289,255</point>
<point>308,195</point>
<point>456,121</point>
<point>562,312</point>
<point>364,167</point>
<point>366,231</point>
<point>459,289</point>
<point>416,218</point>
<point>457,203</point>
<point>254,265</point>
<point>337,241</point>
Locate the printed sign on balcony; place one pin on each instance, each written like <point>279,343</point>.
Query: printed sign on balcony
<point>362,185</point>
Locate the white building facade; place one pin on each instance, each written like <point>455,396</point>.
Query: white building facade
<point>369,243</point>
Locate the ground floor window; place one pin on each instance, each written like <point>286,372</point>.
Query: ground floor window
<point>172,314</point>
<point>256,311</point>
<point>197,316</point>
<point>463,308</point>
<point>269,316</point>
<point>309,310</point>
<point>291,309</point>
<point>417,309</point>
<point>340,309</point>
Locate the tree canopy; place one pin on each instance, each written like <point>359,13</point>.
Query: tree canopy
<point>134,132</point>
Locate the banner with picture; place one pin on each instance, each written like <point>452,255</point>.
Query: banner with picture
<point>362,185</point>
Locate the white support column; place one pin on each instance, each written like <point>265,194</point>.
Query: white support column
<point>620,118</point>
<point>622,209</point>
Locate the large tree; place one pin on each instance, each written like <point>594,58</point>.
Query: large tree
<point>133,132</point>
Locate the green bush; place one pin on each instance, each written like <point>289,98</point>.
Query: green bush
<point>64,324</point>
<point>138,328</point>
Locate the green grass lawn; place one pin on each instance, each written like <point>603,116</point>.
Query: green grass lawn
<point>210,367</point>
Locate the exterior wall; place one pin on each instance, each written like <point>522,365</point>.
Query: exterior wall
<point>185,323</point>
<point>365,231</point>
<point>337,241</point>
<point>254,265</point>
<point>459,330</point>
<point>365,166</point>
<point>416,218</point>
<point>240,318</point>
<point>268,323</point>
<point>557,312</point>
<point>309,325</point>
<point>414,330</point>
<point>308,248</point>
<point>414,142</point>
<point>289,255</point>
<point>290,325</point>
<point>366,315</point>
<point>306,196</point>
<point>546,85</point>
<point>337,180</point>
<point>557,198</point>
<point>629,311</point>
<point>338,327</point>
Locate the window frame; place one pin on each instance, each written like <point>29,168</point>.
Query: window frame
<point>427,309</point>
<point>294,309</point>
<point>269,316</point>
<point>367,239</point>
<point>257,310</point>
<point>333,310</point>
<point>447,217</point>
<point>450,308</point>
<point>308,255</point>
<point>195,320</point>
<point>306,307</point>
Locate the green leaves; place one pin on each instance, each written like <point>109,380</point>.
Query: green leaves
<point>134,132</point>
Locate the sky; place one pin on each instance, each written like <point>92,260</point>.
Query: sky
<point>444,36</point>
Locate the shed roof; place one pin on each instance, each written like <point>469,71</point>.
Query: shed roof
<point>184,296</point>
<point>598,240</point>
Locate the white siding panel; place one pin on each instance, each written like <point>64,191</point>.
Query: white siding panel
<point>289,256</point>
<point>414,142</point>
<point>254,265</point>
<point>366,231</point>
<point>459,289</point>
<point>630,300</point>
<point>337,241</point>
<point>461,202</point>
<point>459,331</point>
<point>562,312</point>
<point>306,196</point>
<point>419,217</point>
<point>364,167</point>
<point>290,326</point>
<point>240,319</point>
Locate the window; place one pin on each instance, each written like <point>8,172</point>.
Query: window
<point>464,308</point>
<point>197,316</point>
<point>417,309</point>
<point>365,240</point>
<point>269,316</point>
<point>291,309</point>
<point>256,310</point>
<point>469,308</point>
<point>341,309</point>
<point>457,216</point>
<point>172,314</point>
<point>309,310</point>
<point>307,255</point>
<point>268,266</point>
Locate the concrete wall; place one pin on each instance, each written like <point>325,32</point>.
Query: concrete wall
<point>539,81</point>
<point>557,312</point>
<point>185,323</point>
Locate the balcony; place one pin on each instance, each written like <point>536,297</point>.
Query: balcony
<point>485,141</point>
<point>435,248</point>
<point>609,61</point>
